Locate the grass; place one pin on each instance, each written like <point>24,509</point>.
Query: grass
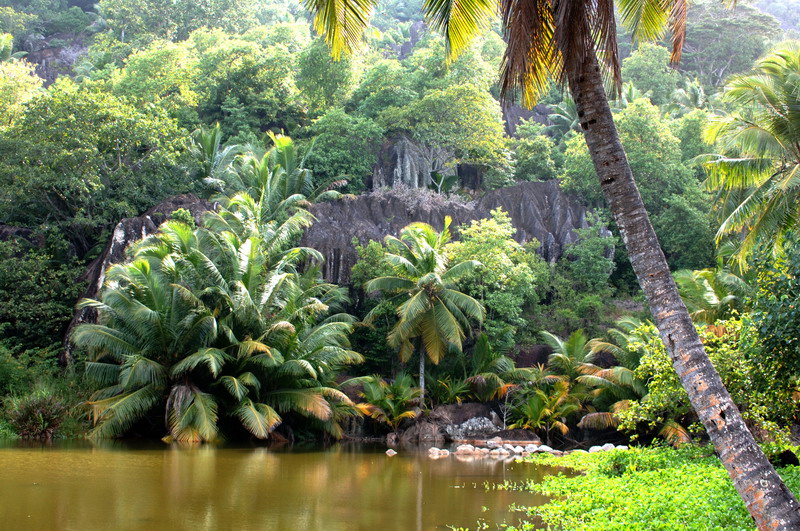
<point>641,489</point>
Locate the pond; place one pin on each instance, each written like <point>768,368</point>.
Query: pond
<point>83,486</point>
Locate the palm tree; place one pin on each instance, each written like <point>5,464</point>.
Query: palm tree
<point>614,388</point>
<point>563,119</point>
<point>388,403</point>
<point>546,411</point>
<point>712,294</point>
<point>687,98</point>
<point>569,360</point>
<point>278,177</point>
<point>494,374</point>
<point>219,321</point>
<point>213,158</point>
<point>562,39</point>
<point>628,95</point>
<point>432,313</point>
<point>759,167</point>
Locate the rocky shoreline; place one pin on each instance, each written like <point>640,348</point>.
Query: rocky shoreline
<point>498,448</point>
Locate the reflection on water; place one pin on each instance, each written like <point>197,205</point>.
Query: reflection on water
<point>81,486</point>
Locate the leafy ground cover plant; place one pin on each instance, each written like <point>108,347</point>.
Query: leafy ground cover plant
<point>642,488</point>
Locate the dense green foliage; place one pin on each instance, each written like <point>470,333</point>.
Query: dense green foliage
<point>654,488</point>
<point>79,160</point>
<point>510,279</point>
<point>37,293</point>
<point>672,194</point>
<point>776,316</point>
<point>245,75</point>
<point>218,322</point>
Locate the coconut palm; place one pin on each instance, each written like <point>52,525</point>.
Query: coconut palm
<point>493,374</point>
<point>563,39</point>
<point>563,119</point>
<point>760,153</point>
<point>388,403</point>
<point>544,411</point>
<point>432,313</point>
<point>713,294</point>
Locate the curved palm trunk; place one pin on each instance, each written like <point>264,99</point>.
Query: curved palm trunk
<point>770,503</point>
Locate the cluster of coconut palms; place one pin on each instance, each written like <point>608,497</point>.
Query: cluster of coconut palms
<point>224,326</point>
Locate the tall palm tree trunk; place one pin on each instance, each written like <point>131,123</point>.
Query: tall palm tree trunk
<point>422,378</point>
<point>770,503</point>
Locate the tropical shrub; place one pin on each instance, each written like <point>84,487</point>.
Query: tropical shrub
<point>545,411</point>
<point>491,373</point>
<point>389,402</point>
<point>36,415</point>
<point>588,259</point>
<point>666,402</point>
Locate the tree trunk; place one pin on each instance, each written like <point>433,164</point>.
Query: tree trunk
<point>422,379</point>
<point>769,501</point>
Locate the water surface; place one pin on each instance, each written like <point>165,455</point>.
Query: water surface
<point>80,486</point>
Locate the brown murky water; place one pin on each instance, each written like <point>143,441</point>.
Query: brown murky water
<point>80,486</point>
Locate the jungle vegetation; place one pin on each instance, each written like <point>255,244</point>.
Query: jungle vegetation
<point>221,325</point>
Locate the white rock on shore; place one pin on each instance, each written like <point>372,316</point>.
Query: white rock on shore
<point>494,442</point>
<point>465,449</point>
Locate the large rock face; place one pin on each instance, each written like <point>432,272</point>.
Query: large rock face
<point>538,210</point>
<point>403,162</point>
<point>513,114</point>
<point>55,55</point>
<point>127,231</point>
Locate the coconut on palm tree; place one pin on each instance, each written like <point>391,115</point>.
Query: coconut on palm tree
<point>563,39</point>
<point>432,313</point>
